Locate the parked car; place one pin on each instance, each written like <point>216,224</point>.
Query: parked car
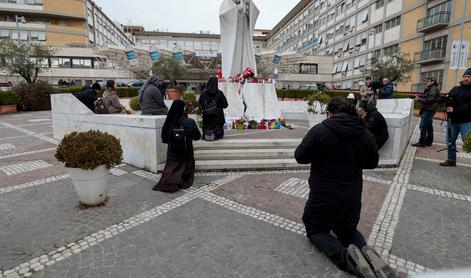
<point>311,87</point>
<point>135,84</point>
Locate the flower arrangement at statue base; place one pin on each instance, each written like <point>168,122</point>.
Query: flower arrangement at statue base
<point>245,123</point>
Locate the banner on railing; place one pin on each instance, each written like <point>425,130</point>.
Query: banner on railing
<point>131,55</point>
<point>179,56</point>
<point>455,55</point>
<point>277,59</point>
<point>463,63</point>
<point>154,56</point>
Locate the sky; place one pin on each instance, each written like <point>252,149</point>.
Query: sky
<point>187,15</point>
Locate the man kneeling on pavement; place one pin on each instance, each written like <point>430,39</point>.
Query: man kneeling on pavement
<point>338,150</point>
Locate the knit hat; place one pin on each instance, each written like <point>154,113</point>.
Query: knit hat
<point>467,72</point>
<point>96,86</point>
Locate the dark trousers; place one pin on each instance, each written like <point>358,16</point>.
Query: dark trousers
<point>426,127</point>
<point>335,247</point>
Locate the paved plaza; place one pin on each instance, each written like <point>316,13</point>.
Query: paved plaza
<point>230,224</point>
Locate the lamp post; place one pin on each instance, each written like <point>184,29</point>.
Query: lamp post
<point>17,20</point>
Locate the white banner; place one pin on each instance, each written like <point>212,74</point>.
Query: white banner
<point>455,56</point>
<point>464,55</point>
<point>211,53</point>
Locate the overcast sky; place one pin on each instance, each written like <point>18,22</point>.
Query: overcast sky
<point>187,15</point>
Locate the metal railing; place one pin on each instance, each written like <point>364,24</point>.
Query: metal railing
<point>430,55</point>
<point>441,18</point>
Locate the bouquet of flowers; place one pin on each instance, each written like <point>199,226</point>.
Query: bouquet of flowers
<point>248,73</point>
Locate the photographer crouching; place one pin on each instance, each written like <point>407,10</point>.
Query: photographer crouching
<point>458,102</point>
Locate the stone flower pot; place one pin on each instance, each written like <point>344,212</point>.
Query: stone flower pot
<point>5,109</point>
<point>90,185</point>
<point>174,94</point>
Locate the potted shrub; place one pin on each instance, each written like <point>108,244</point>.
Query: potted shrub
<point>88,157</point>
<point>191,106</point>
<point>316,107</point>
<point>8,102</point>
<point>467,143</point>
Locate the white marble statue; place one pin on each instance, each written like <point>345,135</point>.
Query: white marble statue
<point>237,19</point>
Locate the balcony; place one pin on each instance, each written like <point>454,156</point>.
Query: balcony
<point>432,22</point>
<point>430,56</point>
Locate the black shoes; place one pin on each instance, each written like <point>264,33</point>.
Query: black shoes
<point>380,267</point>
<point>357,264</point>
<point>448,163</point>
<point>419,145</point>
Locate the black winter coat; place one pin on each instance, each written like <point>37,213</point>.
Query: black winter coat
<point>377,125</point>
<point>462,106</point>
<point>210,121</point>
<point>429,99</point>
<point>192,133</point>
<point>338,149</point>
<point>88,97</point>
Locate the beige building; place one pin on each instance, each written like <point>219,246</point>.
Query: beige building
<point>73,28</point>
<point>352,31</point>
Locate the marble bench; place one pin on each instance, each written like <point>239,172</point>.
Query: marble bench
<point>139,135</point>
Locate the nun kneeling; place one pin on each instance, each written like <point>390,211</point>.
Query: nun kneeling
<point>178,132</point>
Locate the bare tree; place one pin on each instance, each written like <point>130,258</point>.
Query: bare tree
<point>28,59</point>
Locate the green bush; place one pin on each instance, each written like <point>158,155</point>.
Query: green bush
<point>69,90</point>
<point>134,104</point>
<point>34,96</point>
<point>467,143</point>
<point>127,92</point>
<point>313,100</point>
<point>8,98</point>
<point>191,105</point>
<point>88,150</point>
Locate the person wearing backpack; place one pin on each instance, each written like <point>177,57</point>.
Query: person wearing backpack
<point>213,101</point>
<point>178,132</point>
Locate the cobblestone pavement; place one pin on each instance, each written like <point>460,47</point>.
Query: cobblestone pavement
<point>240,224</point>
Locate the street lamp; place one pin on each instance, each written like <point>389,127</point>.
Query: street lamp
<point>17,20</point>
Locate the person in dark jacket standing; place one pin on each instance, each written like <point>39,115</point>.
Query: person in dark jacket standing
<point>387,91</point>
<point>163,88</point>
<point>338,149</point>
<point>429,101</point>
<point>459,111</point>
<point>178,132</point>
<point>150,98</point>
<point>213,101</point>
<point>88,95</point>
<point>375,123</point>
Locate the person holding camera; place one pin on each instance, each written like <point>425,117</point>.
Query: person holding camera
<point>429,101</point>
<point>459,112</point>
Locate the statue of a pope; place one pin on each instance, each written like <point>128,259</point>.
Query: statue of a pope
<point>237,19</point>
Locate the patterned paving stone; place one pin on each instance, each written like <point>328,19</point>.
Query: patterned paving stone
<point>434,231</point>
<point>39,219</point>
<point>48,157</point>
<point>431,153</point>
<point>199,239</point>
<point>452,179</point>
<point>6,132</point>
<point>16,169</point>
<point>25,144</point>
<point>384,175</point>
<point>40,128</point>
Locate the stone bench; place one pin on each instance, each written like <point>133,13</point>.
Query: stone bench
<point>139,135</point>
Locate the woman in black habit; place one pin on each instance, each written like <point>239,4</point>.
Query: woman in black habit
<point>213,122</point>
<point>178,132</point>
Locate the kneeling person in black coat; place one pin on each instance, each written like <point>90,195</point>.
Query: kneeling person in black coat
<point>338,150</point>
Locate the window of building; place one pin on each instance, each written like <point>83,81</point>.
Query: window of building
<point>436,44</point>
<point>379,4</point>
<point>393,22</point>
<point>60,63</point>
<point>4,33</point>
<point>363,16</point>
<point>23,36</point>
<point>391,50</point>
<point>437,75</point>
<point>377,53</point>
<point>378,29</point>
<point>82,63</point>
<point>308,69</point>
<point>442,8</point>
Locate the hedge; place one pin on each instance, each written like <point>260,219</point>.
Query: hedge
<point>8,98</point>
<point>301,94</point>
<point>121,92</point>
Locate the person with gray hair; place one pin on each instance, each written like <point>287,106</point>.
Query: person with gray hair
<point>150,99</point>
<point>387,91</point>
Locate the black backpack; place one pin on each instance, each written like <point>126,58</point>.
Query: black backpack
<point>178,140</point>
<point>210,106</point>
<point>100,107</point>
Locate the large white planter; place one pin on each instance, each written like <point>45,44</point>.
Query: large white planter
<point>90,184</point>
<point>315,119</point>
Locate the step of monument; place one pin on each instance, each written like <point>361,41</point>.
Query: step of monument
<point>233,144</point>
<point>231,154</point>
<point>253,165</point>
